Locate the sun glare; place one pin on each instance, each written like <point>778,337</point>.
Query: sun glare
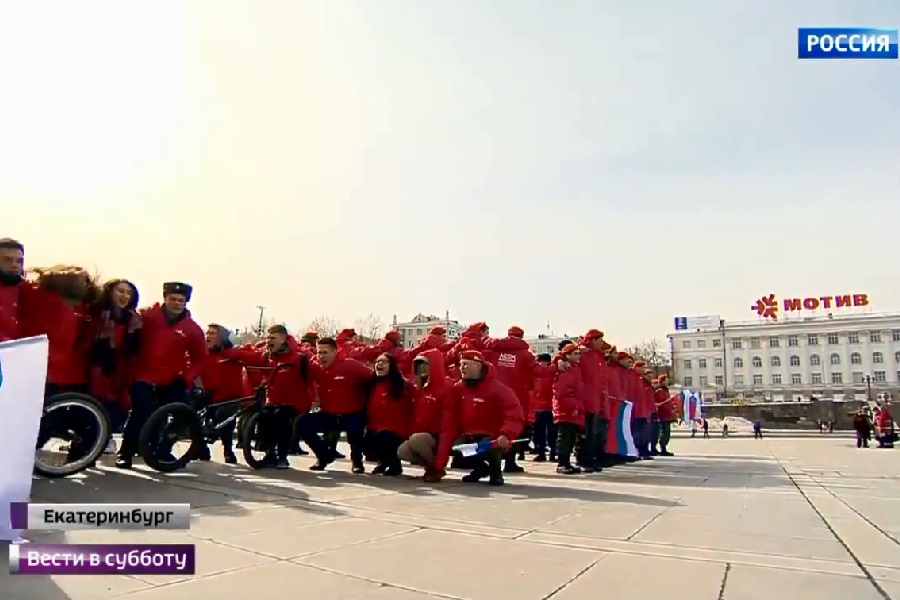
<point>91,91</point>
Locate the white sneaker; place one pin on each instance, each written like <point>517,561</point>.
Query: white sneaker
<point>111,447</point>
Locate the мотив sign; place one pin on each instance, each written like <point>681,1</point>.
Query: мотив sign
<point>767,306</point>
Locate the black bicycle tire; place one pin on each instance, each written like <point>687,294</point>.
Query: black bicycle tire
<point>247,443</point>
<point>94,406</point>
<point>147,445</point>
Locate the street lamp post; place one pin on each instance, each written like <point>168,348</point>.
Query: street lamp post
<point>868,379</point>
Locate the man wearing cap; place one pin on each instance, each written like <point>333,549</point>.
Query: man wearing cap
<point>667,412</point>
<point>171,341</point>
<point>515,366</point>
<point>596,422</point>
<point>479,408</point>
<point>643,408</point>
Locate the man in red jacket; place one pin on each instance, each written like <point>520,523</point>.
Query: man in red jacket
<point>667,413</point>
<point>515,366</point>
<point>541,406</point>
<point>12,268</point>
<point>592,366</point>
<point>479,408</point>
<point>170,340</point>
<point>342,400</point>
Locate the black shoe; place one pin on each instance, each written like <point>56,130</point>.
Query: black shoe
<point>587,469</point>
<point>394,470</point>
<point>521,455</point>
<point>124,462</point>
<point>654,452</point>
<point>646,457</point>
<point>496,480</point>
<point>475,476</point>
<point>230,458</point>
<point>358,467</point>
<point>298,451</point>
<point>539,457</point>
<point>320,465</point>
<point>666,453</point>
<point>568,470</point>
<point>339,455</point>
<point>512,467</point>
<point>282,463</point>
<point>203,453</point>
<point>379,469</point>
<point>552,457</point>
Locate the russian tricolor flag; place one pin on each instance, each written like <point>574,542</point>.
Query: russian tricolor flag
<point>692,406</point>
<point>619,439</point>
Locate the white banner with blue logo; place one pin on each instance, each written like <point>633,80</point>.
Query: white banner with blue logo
<point>23,374</point>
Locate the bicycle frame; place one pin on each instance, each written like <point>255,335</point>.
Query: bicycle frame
<point>258,397</point>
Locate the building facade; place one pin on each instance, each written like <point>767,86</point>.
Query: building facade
<point>849,357</point>
<point>547,343</point>
<point>412,332</point>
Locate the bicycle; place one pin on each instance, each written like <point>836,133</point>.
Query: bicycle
<point>62,419</point>
<point>196,422</point>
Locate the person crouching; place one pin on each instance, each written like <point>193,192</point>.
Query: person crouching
<point>568,407</point>
<point>432,387</point>
<point>479,408</point>
<point>389,413</point>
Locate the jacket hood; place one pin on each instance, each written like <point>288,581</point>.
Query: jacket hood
<point>437,370</point>
<point>490,375</point>
<point>434,341</point>
<point>292,343</point>
<point>509,344</point>
<point>473,331</point>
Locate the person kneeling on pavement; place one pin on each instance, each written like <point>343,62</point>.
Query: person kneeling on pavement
<point>432,391</point>
<point>479,408</point>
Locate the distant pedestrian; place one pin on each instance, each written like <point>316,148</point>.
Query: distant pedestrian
<point>705,429</point>
<point>757,430</point>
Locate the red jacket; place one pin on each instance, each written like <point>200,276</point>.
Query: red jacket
<point>430,400</point>
<point>615,390</point>
<point>341,385</point>
<point>884,420</point>
<point>665,406</point>
<point>114,341</point>
<point>568,396</point>
<point>286,386</point>
<point>645,404</point>
<point>470,339</point>
<point>167,346</point>
<point>542,394</point>
<point>9,304</point>
<point>486,407</point>
<point>45,313</point>
<point>515,363</point>
<point>219,375</point>
<point>384,412</point>
<point>368,354</point>
<point>592,367</point>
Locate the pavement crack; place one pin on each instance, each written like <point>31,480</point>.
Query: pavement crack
<point>724,581</point>
<point>574,578</point>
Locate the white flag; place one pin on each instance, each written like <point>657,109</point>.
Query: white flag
<point>23,374</point>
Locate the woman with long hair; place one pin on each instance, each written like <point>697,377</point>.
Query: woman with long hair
<point>112,334</point>
<point>389,414</point>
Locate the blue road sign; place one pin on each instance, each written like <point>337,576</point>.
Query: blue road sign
<point>680,323</point>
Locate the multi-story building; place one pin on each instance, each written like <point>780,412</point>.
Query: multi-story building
<point>412,332</point>
<point>850,357</point>
<point>547,343</point>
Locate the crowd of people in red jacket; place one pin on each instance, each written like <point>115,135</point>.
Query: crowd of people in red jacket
<point>394,404</point>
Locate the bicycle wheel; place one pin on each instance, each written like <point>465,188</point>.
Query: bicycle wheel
<point>171,438</point>
<point>253,444</point>
<point>81,423</point>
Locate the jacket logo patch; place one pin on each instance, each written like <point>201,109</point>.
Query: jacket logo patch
<point>506,360</point>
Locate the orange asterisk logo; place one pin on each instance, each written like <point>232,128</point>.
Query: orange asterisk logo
<point>766,307</point>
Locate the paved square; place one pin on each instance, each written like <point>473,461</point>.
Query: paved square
<point>732,519</point>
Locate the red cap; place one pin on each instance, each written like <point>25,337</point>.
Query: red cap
<point>479,325</point>
<point>568,349</point>
<point>473,355</point>
<point>437,331</point>
<point>593,334</point>
<point>516,331</point>
<point>624,355</point>
<point>639,363</point>
<point>392,336</point>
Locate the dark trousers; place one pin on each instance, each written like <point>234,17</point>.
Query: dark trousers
<point>382,446</point>
<point>757,434</point>
<point>226,434</point>
<point>566,438</point>
<point>490,462</point>
<point>544,432</point>
<point>665,434</point>
<point>640,432</point>
<point>146,398</point>
<point>354,424</point>
<point>516,449</point>
<point>276,429</point>
<point>654,434</point>
<point>862,440</point>
<point>592,441</point>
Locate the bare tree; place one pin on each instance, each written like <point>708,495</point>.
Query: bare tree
<point>652,352</point>
<point>370,328</point>
<point>324,326</point>
<point>252,333</point>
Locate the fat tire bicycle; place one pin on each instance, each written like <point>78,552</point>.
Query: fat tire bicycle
<point>57,422</point>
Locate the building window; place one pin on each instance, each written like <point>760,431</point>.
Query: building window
<point>420,331</point>
<point>720,381</point>
<point>833,339</point>
<point>875,337</point>
<point>736,344</point>
<point>857,376</point>
<point>877,358</point>
<point>795,361</point>
<point>776,361</point>
<point>880,376</point>
<point>701,363</point>
<point>812,340</point>
<point>895,335</point>
<point>701,343</point>
<point>757,362</point>
<point>793,340</point>
<point>898,375</point>
<point>816,379</point>
<point>739,362</point>
<point>754,343</point>
<point>837,378</point>
<point>717,363</point>
<point>688,381</point>
<point>686,344</point>
<point>853,337</point>
<point>835,359</point>
<point>814,360</point>
<point>776,378</point>
<point>757,380</point>
<point>717,343</point>
<point>796,379</point>
<point>687,364</point>
<point>773,342</point>
<point>856,358</point>
<point>897,357</point>
<point>739,379</point>
<point>704,381</point>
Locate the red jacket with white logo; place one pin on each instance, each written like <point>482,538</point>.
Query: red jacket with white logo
<point>514,362</point>
<point>167,346</point>
<point>341,385</point>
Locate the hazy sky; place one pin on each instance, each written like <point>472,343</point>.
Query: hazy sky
<point>601,164</point>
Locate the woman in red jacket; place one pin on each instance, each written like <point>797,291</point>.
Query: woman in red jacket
<point>433,386</point>
<point>568,407</point>
<point>389,415</point>
<point>544,431</point>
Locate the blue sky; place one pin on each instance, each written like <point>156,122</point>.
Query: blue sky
<point>596,164</point>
